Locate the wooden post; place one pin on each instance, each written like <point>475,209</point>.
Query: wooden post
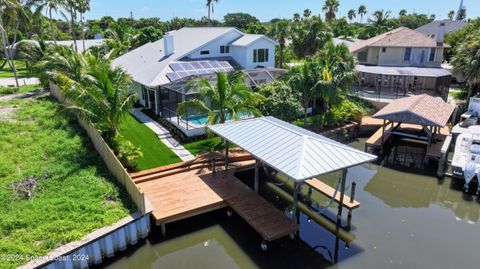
<point>257,165</point>
<point>342,195</point>
<point>226,154</point>
<point>350,211</point>
<point>296,187</point>
<point>383,132</point>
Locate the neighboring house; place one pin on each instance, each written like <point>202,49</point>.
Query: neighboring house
<point>403,61</point>
<point>161,70</point>
<point>450,26</point>
<point>88,43</point>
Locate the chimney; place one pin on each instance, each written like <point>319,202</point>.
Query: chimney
<point>441,33</point>
<point>168,44</point>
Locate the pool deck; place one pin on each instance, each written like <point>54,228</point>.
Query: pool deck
<point>196,191</point>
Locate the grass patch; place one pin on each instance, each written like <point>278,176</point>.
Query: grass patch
<point>204,145</point>
<point>21,67</point>
<point>78,197</point>
<point>23,89</point>
<point>155,153</point>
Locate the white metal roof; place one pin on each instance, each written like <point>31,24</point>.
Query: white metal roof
<point>248,39</point>
<point>148,64</point>
<point>296,152</point>
<point>404,71</point>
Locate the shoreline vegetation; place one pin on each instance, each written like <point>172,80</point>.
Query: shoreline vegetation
<point>74,192</point>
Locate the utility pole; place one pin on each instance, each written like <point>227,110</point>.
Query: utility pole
<point>131,15</point>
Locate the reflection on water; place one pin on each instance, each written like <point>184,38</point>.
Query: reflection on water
<point>406,220</point>
<point>206,248</point>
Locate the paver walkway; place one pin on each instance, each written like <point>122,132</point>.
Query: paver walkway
<point>164,135</point>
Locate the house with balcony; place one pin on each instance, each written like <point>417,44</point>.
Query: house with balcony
<point>161,70</point>
<point>402,62</point>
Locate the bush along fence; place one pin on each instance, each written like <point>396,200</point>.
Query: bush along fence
<point>105,242</point>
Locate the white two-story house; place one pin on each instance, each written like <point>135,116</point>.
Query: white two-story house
<point>161,70</point>
<point>403,62</point>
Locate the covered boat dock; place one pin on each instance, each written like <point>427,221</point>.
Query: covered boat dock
<point>297,154</point>
<point>209,183</point>
<point>422,118</point>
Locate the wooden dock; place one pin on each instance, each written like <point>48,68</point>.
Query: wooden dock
<point>329,192</point>
<point>433,151</point>
<point>196,191</point>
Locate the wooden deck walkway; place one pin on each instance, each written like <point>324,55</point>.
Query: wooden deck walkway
<point>194,192</point>
<point>329,191</point>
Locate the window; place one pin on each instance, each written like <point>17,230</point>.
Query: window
<point>204,52</point>
<point>363,56</point>
<point>384,49</point>
<point>433,51</point>
<point>224,49</point>
<point>260,55</point>
<point>144,93</point>
<point>408,54</point>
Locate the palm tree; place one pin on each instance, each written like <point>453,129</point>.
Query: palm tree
<point>49,6</point>
<point>379,23</point>
<point>230,97</point>
<point>305,80</point>
<point>96,91</point>
<point>210,9</point>
<point>71,6</point>
<point>11,9</point>
<point>331,8</point>
<point>352,14</point>
<point>451,15</point>
<point>402,13</point>
<point>466,62</point>
<point>120,40</point>
<point>281,31</point>
<point>362,11</point>
<point>83,7</point>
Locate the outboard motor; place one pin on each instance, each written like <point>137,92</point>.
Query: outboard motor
<point>469,173</point>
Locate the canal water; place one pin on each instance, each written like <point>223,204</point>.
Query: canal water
<point>407,219</point>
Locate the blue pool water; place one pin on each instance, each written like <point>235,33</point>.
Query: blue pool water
<point>201,119</point>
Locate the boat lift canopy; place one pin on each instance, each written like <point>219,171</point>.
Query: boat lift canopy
<point>294,151</point>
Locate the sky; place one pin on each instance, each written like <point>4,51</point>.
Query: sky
<point>266,9</point>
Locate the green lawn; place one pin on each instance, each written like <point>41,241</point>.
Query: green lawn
<point>155,153</point>
<point>204,145</point>
<point>22,71</point>
<point>23,89</point>
<point>79,195</point>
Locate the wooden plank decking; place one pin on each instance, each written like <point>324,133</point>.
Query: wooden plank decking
<point>329,191</point>
<point>195,192</point>
<point>375,141</point>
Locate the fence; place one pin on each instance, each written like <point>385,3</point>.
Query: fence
<point>112,162</point>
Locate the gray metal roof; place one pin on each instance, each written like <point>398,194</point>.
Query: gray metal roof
<point>292,150</point>
<point>404,71</point>
<point>148,64</point>
<point>450,26</point>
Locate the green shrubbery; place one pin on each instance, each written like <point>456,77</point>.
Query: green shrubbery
<point>281,101</point>
<point>126,151</point>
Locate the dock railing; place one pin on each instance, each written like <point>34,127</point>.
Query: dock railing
<point>112,162</point>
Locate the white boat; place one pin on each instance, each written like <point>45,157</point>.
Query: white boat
<point>466,158</point>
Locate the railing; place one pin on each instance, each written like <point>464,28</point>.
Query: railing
<point>112,162</point>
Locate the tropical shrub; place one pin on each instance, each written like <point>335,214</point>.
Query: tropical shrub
<point>126,152</point>
<point>281,101</point>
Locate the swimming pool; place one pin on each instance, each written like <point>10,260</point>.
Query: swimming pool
<point>201,119</point>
